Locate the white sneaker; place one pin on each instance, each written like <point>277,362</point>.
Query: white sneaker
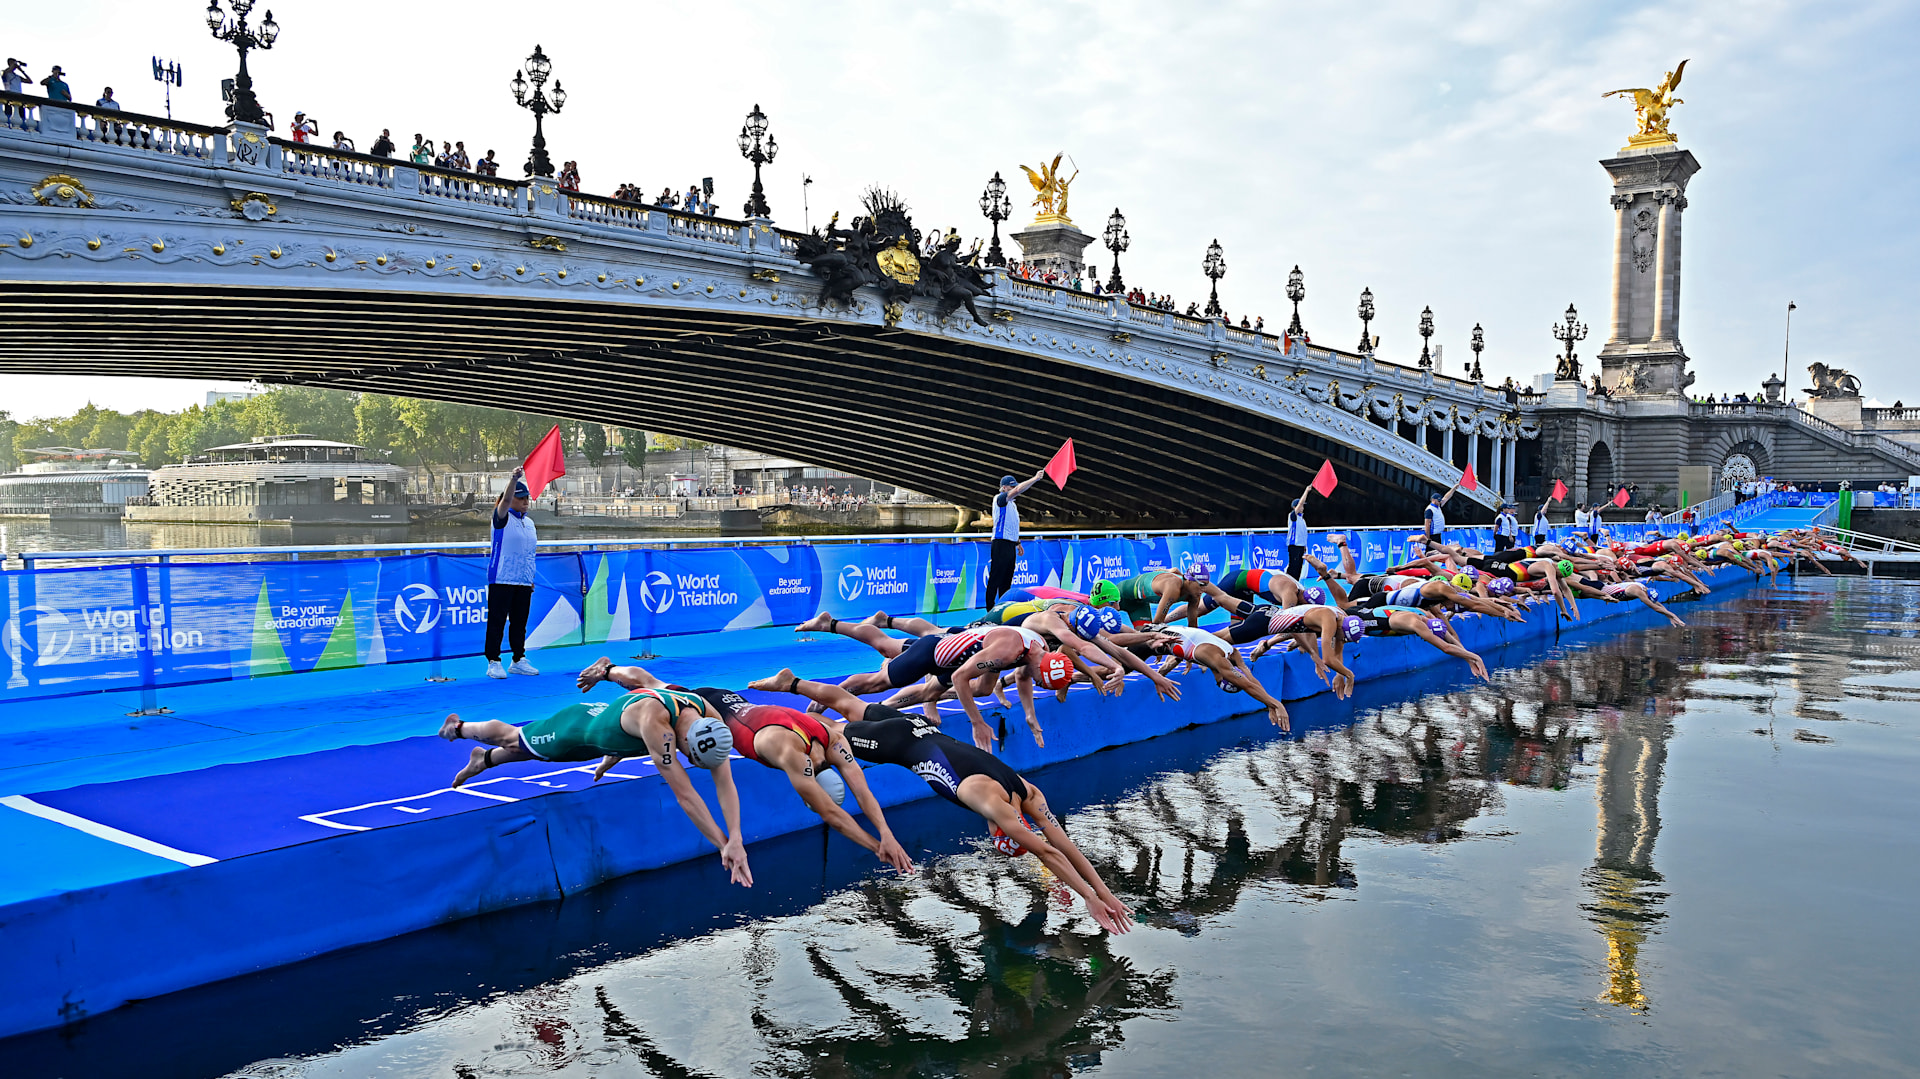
<point>521,666</point>
<point>494,670</point>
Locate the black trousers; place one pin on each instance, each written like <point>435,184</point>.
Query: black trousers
<point>507,607</point>
<point>1296,557</point>
<point>1002,553</point>
<point>1505,543</point>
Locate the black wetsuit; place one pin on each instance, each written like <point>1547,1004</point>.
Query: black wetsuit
<point>1250,621</point>
<point>890,736</point>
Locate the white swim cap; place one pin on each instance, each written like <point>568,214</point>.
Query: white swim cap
<point>709,743</point>
<point>829,780</point>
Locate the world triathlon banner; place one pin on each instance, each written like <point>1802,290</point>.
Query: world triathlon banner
<point>86,629</point>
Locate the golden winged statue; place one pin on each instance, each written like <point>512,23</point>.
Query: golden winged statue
<point>1051,189</point>
<point>1650,107</point>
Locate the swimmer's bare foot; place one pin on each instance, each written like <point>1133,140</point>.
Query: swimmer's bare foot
<point>1261,649</point>
<point>476,763</point>
<point>450,730</point>
<point>594,674</point>
<point>818,623</point>
<point>881,619</point>
<point>782,682</point>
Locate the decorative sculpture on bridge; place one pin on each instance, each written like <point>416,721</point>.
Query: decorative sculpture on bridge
<point>1051,190</point>
<point>1832,381</point>
<point>879,250</point>
<point>1650,107</point>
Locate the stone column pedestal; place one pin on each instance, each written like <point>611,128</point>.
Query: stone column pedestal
<point>1643,354</point>
<point>1052,243</point>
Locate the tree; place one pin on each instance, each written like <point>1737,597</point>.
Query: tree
<point>633,447</point>
<point>9,460</point>
<point>593,443</point>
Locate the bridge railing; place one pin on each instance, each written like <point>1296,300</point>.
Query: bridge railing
<point>323,162</point>
<point>112,127</point>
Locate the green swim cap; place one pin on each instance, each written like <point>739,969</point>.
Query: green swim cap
<point>1105,593</point>
<point>1565,567</point>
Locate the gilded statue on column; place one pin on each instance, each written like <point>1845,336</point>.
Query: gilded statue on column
<point>1050,191</point>
<point>1650,108</point>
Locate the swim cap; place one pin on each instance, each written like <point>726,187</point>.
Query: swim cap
<point>1739,545</point>
<point>1110,619</point>
<point>1005,843</point>
<point>1315,595</point>
<point>1199,575</point>
<point>1105,594</point>
<point>1085,621</point>
<point>1055,672</point>
<point>1500,586</point>
<point>1438,627</point>
<point>1353,627</point>
<point>831,782</point>
<point>1565,567</point>
<point>1463,582</point>
<point>709,743</point>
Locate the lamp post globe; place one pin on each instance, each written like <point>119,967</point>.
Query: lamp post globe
<point>1215,267</point>
<point>1478,344</point>
<point>537,69</point>
<point>1117,240</point>
<point>1296,291</point>
<point>245,108</point>
<point>758,147</point>
<point>995,208</point>
<point>1426,335</point>
<point>1366,318</point>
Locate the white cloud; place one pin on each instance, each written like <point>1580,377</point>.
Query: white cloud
<point>1296,133</point>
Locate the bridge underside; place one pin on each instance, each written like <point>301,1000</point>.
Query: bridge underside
<point>941,417</point>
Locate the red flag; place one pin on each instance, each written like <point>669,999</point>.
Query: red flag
<point>1286,342</point>
<point>1326,481</point>
<point>1467,480</point>
<point>1062,465</point>
<point>1559,491</point>
<point>547,462</point>
<point>1620,499</point>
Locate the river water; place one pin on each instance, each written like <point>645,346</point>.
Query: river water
<point>1657,852</point>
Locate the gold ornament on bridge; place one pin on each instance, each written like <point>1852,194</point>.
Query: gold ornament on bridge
<point>1050,192</point>
<point>62,190</point>
<point>1650,108</point>
<point>899,262</point>
<point>254,206</point>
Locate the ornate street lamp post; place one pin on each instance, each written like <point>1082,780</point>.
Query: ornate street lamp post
<point>1117,240</point>
<point>1479,344</point>
<point>1215,267</point>
<point>1366,318</point>
<point>1296,291</point>
<point>758,147</point>
<point>245,108</point>
<point>1568,369</point>
<point>995,208</point>
<point>1426,335</point>
<point>538,68</point>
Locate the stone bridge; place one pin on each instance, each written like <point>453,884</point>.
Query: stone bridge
<point>134,245</point>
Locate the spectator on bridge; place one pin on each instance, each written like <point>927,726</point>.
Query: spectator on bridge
<point>1259,324</point>
<point>106,100</point>
<point>510,576</point>
<point>570,176</point>
<point>487,166</point>
<point>422,152</point>
<point>1005,546</point>
<point>57,89</point>
<point>342,142</point>
<point>693,198</point>
<point>445,157</point>
<point>14,78</point>
<point>382,146</point>
<point>459,159</point>
<point>303,129</point>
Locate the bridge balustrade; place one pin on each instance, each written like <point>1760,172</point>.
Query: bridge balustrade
<point>306,159</point>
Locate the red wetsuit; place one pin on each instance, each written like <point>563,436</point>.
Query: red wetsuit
<point>747,719</point>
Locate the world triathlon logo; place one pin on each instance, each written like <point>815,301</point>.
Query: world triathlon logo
<point>657,592</point>
<point>853,583</point>
<point>43,632</point>
<point>417,608</point>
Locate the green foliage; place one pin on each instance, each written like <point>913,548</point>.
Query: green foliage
<point>633,447</point>
<point>593,443</point>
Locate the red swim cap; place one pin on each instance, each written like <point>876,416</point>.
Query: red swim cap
<point>1056,671</point>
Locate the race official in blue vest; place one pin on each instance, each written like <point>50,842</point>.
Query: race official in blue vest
<point>1005,548</point>
<point>1542,528</point>
<point>510,578</point>
<point>1506,528</point>
<point>1297,535</point>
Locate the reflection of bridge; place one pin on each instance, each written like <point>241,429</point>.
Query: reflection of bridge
<point>139,246</point>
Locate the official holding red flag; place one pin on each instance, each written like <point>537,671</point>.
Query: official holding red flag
<point>510,572</point>
<point>1005,548</point>
<point>1324,482</point>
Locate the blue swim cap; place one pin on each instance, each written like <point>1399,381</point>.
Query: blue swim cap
<point>1110,620</point>
<point>831,782</point>
<point>1085,621</point>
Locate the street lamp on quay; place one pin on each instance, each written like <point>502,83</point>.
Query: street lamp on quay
<point>995,208</point>
<point>1426,335</point>
<point>1479,343</point>
<point>245,108</point>
<point>1215,267</point>
<point>1366,318</point>
<point>538,68</point>
<point>758,147</point>
<point>1296,291</point>
<point>1117,240</point>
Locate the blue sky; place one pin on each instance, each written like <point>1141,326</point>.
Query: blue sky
<point>1442,153</point>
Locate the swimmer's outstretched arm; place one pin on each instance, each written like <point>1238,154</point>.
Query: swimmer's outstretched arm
<point>1448,644</point>
<point>1336,590</point>
<point>628,678</point>
<point>1166,688</point>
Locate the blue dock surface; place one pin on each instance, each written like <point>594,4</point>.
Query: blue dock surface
<point>268,820</point>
